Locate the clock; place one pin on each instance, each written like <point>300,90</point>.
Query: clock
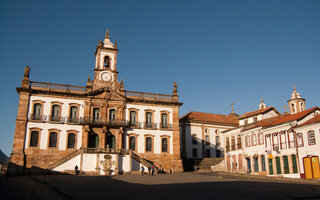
<point>106,76</point>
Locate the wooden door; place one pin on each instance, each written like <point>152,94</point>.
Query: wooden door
<point>307,167</point>
<point>286,164</point>
<point>228,163</point>
<point>294,164</point>
<point>270,166</point>
<point>315,166</point>
<point>278,165</point>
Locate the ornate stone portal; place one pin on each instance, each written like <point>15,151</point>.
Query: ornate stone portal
<point>107,164</point>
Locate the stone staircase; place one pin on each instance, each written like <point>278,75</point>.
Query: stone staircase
<point>210,164</point>
<point>64,159</point>
<point>143,161</point>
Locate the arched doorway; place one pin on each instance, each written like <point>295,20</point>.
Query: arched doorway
<point>111,141</point>
<point>93,141</point>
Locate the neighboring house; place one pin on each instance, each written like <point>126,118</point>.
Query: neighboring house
<point>308,139</point>
<point>201,135</point>
<point>267,144</point>
<point>101,127</point>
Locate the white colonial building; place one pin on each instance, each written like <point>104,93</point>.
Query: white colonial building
<point>269,143</point>
<point>101,128</point>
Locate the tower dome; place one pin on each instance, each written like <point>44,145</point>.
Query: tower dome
<point>296,103</point>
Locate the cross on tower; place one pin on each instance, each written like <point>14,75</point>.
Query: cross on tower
<point>232,106</point>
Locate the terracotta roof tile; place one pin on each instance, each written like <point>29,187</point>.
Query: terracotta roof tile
<point>210,118</point>
<point>284,118</point>
<point>257,112</point>
<point>296,116</point>
<point>315,119</point>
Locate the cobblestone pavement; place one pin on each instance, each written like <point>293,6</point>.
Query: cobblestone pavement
<point>173,186</point>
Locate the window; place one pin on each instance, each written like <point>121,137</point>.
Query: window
<point>55,114</point>
<point>133,118</point>
<point>293,108</point>
<point>299,139</point>
<point>233,143</point>
<point>112,115</point>
<point>217,140</point>
<point>246,122</point>
<point>227,145</point>
<point>292,142</point>
<point>194,139</point>
<point>37,111</point>
<point>260,138</point>
<point>255,119</point>
<point>34,138</point>
<point>71,140</point>
<point>254,139</point>
<point>149,119</point>
<point>207,139</point>
<point>283,140</point>
<point>53,139</point>
<point>132,143</point>
<point>194,153</point>
<point>73,113</point>
<point>164,145</point>
<point>247,140</point>
<point>148,144</point>
<point>164,120</point>
<point>239,142</point>
<point>106,62</point>
<point>96,114</point>
<point>311,138</point>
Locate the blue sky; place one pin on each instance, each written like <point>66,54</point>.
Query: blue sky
<point>218,51</point>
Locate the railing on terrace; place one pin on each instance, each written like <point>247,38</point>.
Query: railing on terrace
<point>105,150</point>
<point>98,122</point>
<point>150,125</point>
<point>148,96</point>
<point>55,86</point>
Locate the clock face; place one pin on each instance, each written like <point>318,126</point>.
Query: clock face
<point>106,76</point>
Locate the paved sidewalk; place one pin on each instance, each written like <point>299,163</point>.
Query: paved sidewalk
<point>182,186</point>
<point>262,178</point>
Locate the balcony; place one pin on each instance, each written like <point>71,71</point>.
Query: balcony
<point>150,125</point>
<point>165,126</point>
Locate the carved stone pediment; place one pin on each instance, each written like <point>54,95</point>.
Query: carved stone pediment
<point>106,93</point>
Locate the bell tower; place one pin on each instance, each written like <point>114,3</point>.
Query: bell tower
<point>105,70</point>
<point>296,103</point>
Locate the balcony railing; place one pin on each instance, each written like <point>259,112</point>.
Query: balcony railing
<point>55,86</point>
<point>148,125</point>
<point>227,148</point>
<point>233,147</point>
<point>239,145</point>
<point>98,122</point>
<point>165,126</point>
<point>148,96</point>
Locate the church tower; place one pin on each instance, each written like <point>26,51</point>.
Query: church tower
<point>296,103</point>
<point>105,71</point>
